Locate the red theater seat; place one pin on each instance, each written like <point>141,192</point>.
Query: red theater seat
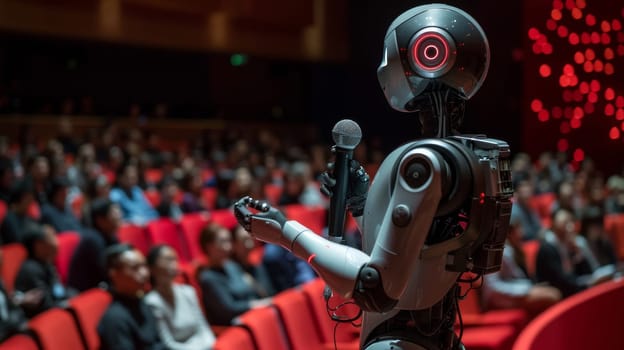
<point>87,309</point>
<point>153,176</point>
<point>489,338</point>
<point>224,217</point>
<point>165,231</point>
<point>191,225</point>
<point>234,338</point>
<point>346,332</point>
<point>614,225</point>
<point>297,317</point>
<point>265,328</point>
<point>56,330</point>
<point>134,235</point>
<point>153,197</point>
<point>473,315</point>
<point>591,319</point>
<point>3,210</point>
<point>13,255</point>
<point>530,249</point>
<point>19,342</point>
<point>312,217</point>
<point>67,241</point>
<point>542,203</point>
<point>209,195</point>
<point>273,193</point>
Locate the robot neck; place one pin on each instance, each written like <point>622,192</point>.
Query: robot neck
<point>441,113</point>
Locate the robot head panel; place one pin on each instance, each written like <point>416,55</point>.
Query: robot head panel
<point>432,47</point>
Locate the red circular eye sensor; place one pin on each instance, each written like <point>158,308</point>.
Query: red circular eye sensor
<point>430,51</point>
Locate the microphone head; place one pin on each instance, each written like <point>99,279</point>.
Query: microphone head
<point>346,134</point>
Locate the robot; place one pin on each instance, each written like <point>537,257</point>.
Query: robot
<point>437,208</point>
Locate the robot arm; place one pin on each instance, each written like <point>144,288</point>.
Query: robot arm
<point>378,280</point>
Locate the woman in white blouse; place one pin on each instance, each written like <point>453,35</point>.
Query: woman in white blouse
<point>181,324</point>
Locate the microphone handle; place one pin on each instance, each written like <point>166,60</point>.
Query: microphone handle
<point>337,204</point>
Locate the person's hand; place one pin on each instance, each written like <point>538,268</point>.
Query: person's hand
<point>357,188</point>
<point>29,299</point>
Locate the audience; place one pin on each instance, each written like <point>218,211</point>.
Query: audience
<point>522,211</point>
<point>12,318</point>
<point>285,269</point>
<point>55,212</point>
<point>86,269</point>
<point>128,323</point>
<point>39,272</point>
<point>17,219</point>
<point>168,208</point>
<point>228,291</point>
<point>134,206</point>
<point>592,229</point>
<point>511,287</point>
<point>242,246</point>
<point>192,185</point>
<point>300,188</point>
<point>561,261</point>
<point>181,324</point>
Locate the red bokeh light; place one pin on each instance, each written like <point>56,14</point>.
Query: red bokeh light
<point>608,69</point>
<point>562,31</point>
<point>620,37</point>
<point>595,38</point>
<point>614,133</point>
<point>564,128</point>
<point>605,39</point>
<point>557,4</point>
<point>555,14</point>
<point>616,25</point>
<point>577,13</point>
<point>578,113</point>
<point>590,20</point>
<point>589,108</point>
<point>579,155</point>
<point>562,145</point>
<point>536,105</point>
<point>605,26</point>
<point>573,38</point>
<point>577,96</point>
<point>543,115</point>
<point>598,66</point>
<point>569,4</point>
<point>580,4</point>
<point>609,110</point>
<point>579,58</point>
<point>592,97</point>
<point>544,70</point>
<point>619,115</point>
<point>568,112</point>
<point>588,67</point>
<point>568,69</point>
<point>533,33</point>
<point>619,101</point>
<point>594,85</point>
<point>585,38</point>
<point>609,94</point>
<point>590,55</point>
<point>620,50</point>
<point>608,53</point>
<point>575,123</point>
<point>551,24</point>
<point>584,87</point>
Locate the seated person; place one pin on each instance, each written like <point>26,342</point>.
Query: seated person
<point>180,322</point>
<point>55,213</point>
<point>192,200</point>
<point>242,245</point>
<point>17,219</point>
<point>128,323</point>
<point>511,287</point>
<point>522,210</point>
<point>168,208</point>
<point>134,206</point>
<point>592,229</point>
<point>86,269</point>
<point>284,268</point>
<point>38,270</point>
<point>12,318</point>
<point>561,261</point>
<point>227,289</point>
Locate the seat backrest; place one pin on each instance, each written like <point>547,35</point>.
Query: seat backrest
<point>56,330</point>
<point>273,193</point>
<point>296,315</point>
<point>530,249</point>
<point>87,309</point>
<point>134,235</point>
<point>614,226</point>
<point>67,241</point>
<point>191,225</point>
<point>209,196</point>
<point>224,217</point>
<point>265,328</point>
<point>165,231</point>
<point>312,217</point>
<point>345,332</point>
<point>3,210</point>
<point>234,338</point>
<point>152,196</point>
<point>13,255</point>
<point>19,342</point>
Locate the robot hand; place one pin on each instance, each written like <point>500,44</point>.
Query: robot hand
<point>265,225</point>
<point>357,190</point>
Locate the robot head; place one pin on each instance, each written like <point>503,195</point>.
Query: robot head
<point>432,48</point>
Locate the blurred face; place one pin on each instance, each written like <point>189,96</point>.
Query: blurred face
<point>131,177</point>
<point>524,192</point>
<point>41,168</point>
<point>166,268</point>
<point>221,248</point>
<point>243,245</point>
<point>563,225</point>
<point>132,275</point>
<point>111,223</point>
<point>47,248</point>
<point>515,234</point>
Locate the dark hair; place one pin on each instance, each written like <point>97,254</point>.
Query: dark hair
<point>99,208</point>
<point>5,166</point>
<point>57,184</point>
<point>154,253</point>
<point>20,189</point>
<point>591,216</point>
<point>208,235</point>
<point>32,234</point>
<point>113,254</point>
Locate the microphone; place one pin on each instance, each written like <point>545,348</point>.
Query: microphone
<point>347,135</point>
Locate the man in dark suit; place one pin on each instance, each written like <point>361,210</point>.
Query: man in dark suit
<point>86,269</point>
<point>38,270</point>
<point>128,323</point>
